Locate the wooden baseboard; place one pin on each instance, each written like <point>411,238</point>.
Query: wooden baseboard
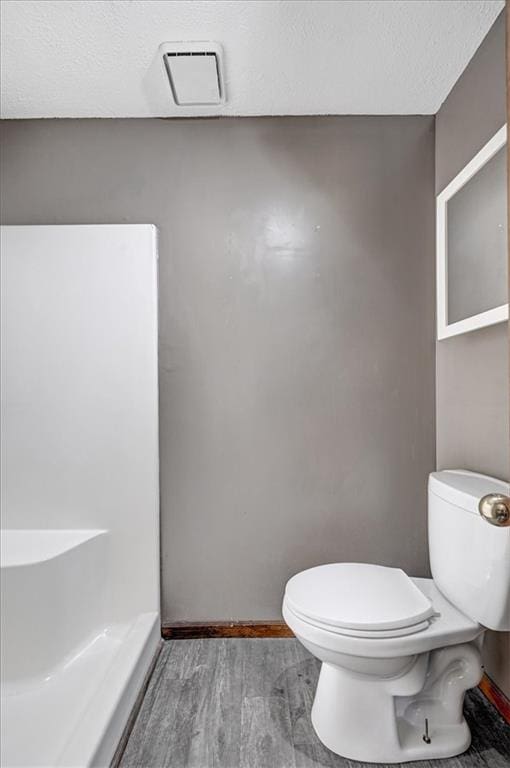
<point>496,697</point>
<point>181,630</point>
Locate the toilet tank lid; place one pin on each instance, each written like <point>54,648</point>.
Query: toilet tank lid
<point>464,488</point>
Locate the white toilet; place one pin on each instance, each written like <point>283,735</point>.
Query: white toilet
<point>398,653</point>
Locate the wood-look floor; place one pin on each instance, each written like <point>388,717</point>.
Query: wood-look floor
<point>238,703</point>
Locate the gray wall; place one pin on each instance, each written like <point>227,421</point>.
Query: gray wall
<point>297,333</point>
<point>472,369</point>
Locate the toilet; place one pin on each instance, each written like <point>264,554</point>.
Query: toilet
<point>398,653</point>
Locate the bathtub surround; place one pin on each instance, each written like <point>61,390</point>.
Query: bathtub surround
<point>472,417</point>
<point>79,574</point>
<point>296,288</point>
<point>79,327</point>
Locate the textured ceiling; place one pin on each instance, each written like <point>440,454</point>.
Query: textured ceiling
<point>99,58</point>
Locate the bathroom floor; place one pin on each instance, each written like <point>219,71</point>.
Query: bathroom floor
<point>235,703</point>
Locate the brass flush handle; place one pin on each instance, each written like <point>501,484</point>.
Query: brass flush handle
<point>495,509</point>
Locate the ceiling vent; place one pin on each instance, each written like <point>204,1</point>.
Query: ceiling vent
<point>195,73</point>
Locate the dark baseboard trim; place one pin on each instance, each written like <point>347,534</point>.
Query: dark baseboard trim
<point>181,630</point>
<point>496,697</point>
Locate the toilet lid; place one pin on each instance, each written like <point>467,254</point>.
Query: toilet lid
<point>358,596</point>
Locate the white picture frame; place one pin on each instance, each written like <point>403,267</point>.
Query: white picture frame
<point>491,316</point>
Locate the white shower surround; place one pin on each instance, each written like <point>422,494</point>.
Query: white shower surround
<point>80,503</point>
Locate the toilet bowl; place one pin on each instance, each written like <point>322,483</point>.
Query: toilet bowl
<point>375,692</point>
<point>398,653</point>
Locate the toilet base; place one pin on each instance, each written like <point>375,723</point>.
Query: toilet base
<point>383,721</point>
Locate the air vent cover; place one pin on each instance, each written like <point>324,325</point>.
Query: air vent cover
<point>195,73</point>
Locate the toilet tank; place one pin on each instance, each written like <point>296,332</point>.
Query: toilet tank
<point>469,557</point>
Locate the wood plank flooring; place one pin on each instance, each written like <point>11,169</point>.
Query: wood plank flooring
<point>242,703</point>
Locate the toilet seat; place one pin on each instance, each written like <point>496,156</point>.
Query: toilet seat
<point>448,626</point>
<point>373,634</point>
<point>359,600</point>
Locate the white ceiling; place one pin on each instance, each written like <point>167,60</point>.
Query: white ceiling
<point>99,58</point>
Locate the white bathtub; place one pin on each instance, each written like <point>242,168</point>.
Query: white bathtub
<point>79,452</point>
<point>69,675</point>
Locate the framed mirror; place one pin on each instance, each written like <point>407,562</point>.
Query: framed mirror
<point>472,235</point>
